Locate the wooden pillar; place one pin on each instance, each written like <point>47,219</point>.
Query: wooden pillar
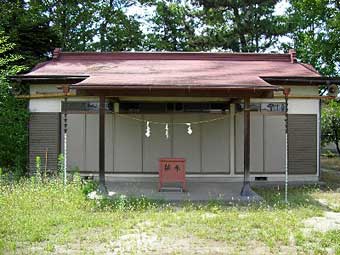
<point>246,190</point>
<point>246,140</point>
<point>102,187</point>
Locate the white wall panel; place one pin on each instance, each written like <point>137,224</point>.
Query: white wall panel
<point>75,141</point>
<point>274,140</point>
<point>128,144</point>
<point>92,142</point>
<point>185,145</point>
<point>156,146</point>
<point>109,123</point>
<point>45,105</point>
<point>303,106</point>
<point>215,144</point>
<point>256,142</point>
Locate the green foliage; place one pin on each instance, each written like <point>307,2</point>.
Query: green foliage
<point>329,154</point>
<point>172,27</point>
<point>38,168</point>
<point>89,186</point>
<point>116,30</point>
<point>242,26</point>
<point>13,113</point>
<point>314,27</point>
<point>29,28</point>
<point>60,170</point>
<point>330,124</point>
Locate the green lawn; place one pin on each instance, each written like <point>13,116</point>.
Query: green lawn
<point>45,218</point>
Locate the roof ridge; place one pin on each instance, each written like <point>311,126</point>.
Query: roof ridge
<point>140,55</point>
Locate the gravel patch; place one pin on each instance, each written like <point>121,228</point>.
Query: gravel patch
<point>330,221</point>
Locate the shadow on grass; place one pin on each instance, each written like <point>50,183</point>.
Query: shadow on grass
<point>273,197</point>
<point>297,197</point>
<point>331,178</point>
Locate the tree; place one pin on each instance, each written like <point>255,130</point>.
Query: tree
<point>241,25</point>
<point>173,27</point>
<point>116,30</point>
<point>92,25</point>
<point>74,21</point>
<point>315,32</point>
<point>330,124</point>
<point>13,113</point>
<point>28,27</point>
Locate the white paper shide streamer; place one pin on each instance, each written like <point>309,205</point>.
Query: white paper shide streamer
<point>189,128</point>
<point>148,129</point>
<point>187,124</point>
<point>167,131</point>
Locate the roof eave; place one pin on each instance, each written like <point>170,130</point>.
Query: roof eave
<point>48,79</point>
<point>179,91</point>
<point>298,80</point>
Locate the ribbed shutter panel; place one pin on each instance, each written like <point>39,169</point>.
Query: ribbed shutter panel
<point>44,137</point>
<point>302,140</point>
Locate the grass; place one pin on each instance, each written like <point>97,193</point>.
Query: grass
<point>330,163</point>
<point>46,217</point>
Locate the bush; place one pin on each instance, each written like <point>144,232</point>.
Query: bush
<point>13,114</point>
<point>329,154</point>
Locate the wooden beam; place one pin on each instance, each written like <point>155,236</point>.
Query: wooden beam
<point>62,95</point>
<point>178,93</point>
<point>306,97</point>
<point>102,187</point>
<point>247,139</point>
<point>46,95</point>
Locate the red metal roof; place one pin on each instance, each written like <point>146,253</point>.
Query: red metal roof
<point>173,69</point>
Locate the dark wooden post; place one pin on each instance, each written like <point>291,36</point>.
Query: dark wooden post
<point>102,187</point>
<point>246,189</point>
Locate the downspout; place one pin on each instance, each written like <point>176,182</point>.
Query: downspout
<point>286,92</point>
<point>66,91</point>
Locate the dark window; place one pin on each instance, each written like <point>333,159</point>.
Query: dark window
<point>253,107</point>
<point>84,106</point>
<point>273,107</point>
<point>263,107</point>
<point>219,106</point>
<point>129,107</point>
<point>153,108</point>
<point>194,107</point>
<point>137,107</point>
<point>179,107</point>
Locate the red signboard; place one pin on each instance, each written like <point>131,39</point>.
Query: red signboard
<point>172,170</point>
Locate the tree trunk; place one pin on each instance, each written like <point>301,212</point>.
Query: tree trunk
<point>336,138</point>
<point>337,147</point>
<point>238,22</point>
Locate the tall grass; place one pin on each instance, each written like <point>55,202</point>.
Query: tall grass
<point>31,208</point>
